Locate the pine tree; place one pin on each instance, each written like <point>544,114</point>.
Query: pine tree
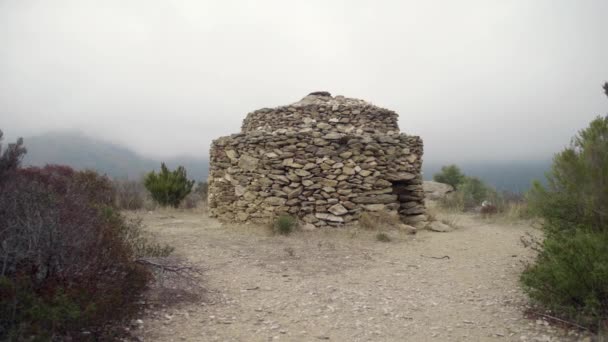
<point>168,188</point>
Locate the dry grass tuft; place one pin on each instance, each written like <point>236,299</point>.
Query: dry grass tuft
<point>379,220</point>
<point>445,216</point>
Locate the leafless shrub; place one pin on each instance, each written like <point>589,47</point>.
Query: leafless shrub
<point>65,249</point>
<point>130,194</point>
<point>191,201</point>
<point>197,198</point>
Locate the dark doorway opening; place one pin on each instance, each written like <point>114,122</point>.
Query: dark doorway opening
<point>403,190</point>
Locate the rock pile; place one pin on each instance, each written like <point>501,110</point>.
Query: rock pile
<point>324,159</point>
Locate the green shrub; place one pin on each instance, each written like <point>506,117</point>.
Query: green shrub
<point>383,237</point>
<point>11,157</point>
<point>284,224</point>
<point>570,275</point>
<point>168,188</point>
<point>451,175</point>
<point>470,194</point>
<point>577,186</point>
<point>474,191</point>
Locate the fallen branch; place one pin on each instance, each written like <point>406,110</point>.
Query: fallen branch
<point>168,267</point>
<point>434,257</point>
<point>560,320</point>
<point>164,267</point>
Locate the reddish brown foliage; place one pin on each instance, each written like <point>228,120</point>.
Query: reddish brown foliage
<point>61,237</point>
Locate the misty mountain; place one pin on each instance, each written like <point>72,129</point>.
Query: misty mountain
<point>513,176</point>
<point>82,152</point>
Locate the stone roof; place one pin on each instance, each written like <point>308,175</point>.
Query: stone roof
<point>329,101</point>
<point>321,110</point>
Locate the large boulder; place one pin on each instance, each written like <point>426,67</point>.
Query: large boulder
<point>435,190</point>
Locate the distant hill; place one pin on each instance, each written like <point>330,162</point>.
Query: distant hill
<point>514,176</point>
<point>82,152</point>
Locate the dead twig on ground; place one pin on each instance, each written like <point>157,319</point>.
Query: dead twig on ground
<point>553,318</point>
<point>172,266</point>
<point>434,257</point>
<point>164,267</point>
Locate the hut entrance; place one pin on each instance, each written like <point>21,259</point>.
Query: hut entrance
<point>407,200</point>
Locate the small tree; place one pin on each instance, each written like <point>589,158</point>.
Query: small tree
<point>570,276</point>
<point>577,186</point>
<point>11,158</point>
<point>451,175</point>
<point>168,187</point>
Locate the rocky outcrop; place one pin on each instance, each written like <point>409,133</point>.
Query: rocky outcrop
<point>435,190</point>
<point>324,159</point>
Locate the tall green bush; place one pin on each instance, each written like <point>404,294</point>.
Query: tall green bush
<point>577,186</point>
<point>570,276</point>
<point>168,188</point>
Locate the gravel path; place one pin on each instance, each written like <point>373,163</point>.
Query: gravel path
<point>343,285</point>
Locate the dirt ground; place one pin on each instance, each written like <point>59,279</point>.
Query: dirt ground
<point>344,285</point>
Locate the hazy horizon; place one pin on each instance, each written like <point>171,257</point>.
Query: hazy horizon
<point>477,80</point>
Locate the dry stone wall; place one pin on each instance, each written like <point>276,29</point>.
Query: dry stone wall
<point>324,113</point>
<point>304,163</point>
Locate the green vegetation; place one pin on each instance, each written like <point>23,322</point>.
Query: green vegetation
<point>383,237</point>
<point>570,276</point>
<point>451,175</point>
<point>168,188</point>
<point>69,259</point>
<point>284,224</point>
<point>471,192</point>
<point>513,176</point>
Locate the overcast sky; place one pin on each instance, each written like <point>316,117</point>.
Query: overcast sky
<point>477,79</point>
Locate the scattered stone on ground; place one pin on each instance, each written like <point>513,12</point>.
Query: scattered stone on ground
<point>438,226</point>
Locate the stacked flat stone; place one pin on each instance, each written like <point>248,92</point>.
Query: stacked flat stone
<point>323,159</point>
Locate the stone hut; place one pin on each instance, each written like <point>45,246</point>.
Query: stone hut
<point>323,159</point>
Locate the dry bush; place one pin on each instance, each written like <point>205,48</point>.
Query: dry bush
<point>130,194</point>
<point>193,200</point>
<point>453,202</point>
<point>438,213</point>
<point>518,211</point>
<point>197,198</point>
<point>68,256</point>
<point>379,220</point>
